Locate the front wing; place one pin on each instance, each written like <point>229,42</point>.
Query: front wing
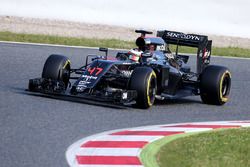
<point>56,90</point>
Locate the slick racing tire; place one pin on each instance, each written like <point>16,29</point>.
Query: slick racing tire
<point>143,80</point>
<point>57,67</point>
<point>215,84</point>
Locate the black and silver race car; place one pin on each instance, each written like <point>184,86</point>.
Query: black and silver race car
<point>139,76</point>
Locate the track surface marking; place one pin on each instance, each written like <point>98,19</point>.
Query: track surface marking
<point>123,147</point>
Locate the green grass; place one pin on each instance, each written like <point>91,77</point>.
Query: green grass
<point>223,148</point>
<point>231,51</point>
<point>149,153</point>
<point>110,43</point>
<point>48,39</point>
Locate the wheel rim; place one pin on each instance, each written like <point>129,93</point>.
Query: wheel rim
<point>152,89</point>
<point>66,75</point>
<point>225,86</point>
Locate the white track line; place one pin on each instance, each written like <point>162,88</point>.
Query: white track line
<point>108,151</point>
<point>225,123</point>
<point>125,138</point>
<point>53,45</point>
<point>174,129</point>
<point>109,166</point>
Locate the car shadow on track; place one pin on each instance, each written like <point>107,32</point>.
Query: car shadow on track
<point>182,101</point>
<point>23,91</point>
<point>177,101</point>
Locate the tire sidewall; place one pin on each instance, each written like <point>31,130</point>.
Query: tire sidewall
<point>141,80</point>
<point>57,67</point>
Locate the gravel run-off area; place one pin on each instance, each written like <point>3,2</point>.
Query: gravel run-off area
<point>79,29</point>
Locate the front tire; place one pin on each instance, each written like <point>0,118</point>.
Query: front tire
<point>143,80</point>
<point>215,84</point>
<point>57,67</point>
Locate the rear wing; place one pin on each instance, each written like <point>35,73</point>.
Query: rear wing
<point>192,40</point>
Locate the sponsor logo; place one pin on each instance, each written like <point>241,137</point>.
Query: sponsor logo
<point>88,77</point>
<point>85,80</point>
<point>83,83</point>
<point>126,73</point>
<point>126,63</point>
<point>206,55</point>
<point>183,36</point>
<point>81,88</point>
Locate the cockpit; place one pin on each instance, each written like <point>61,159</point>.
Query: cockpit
<point>149,43</point>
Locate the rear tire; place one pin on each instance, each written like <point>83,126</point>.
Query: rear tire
<point>57,67</point>
<point>215,84</point>
<point>143,80</point>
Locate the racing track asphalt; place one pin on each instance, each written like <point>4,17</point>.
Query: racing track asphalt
<point>36,131</point>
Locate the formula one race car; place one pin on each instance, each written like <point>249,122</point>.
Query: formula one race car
<point>139,76</point>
